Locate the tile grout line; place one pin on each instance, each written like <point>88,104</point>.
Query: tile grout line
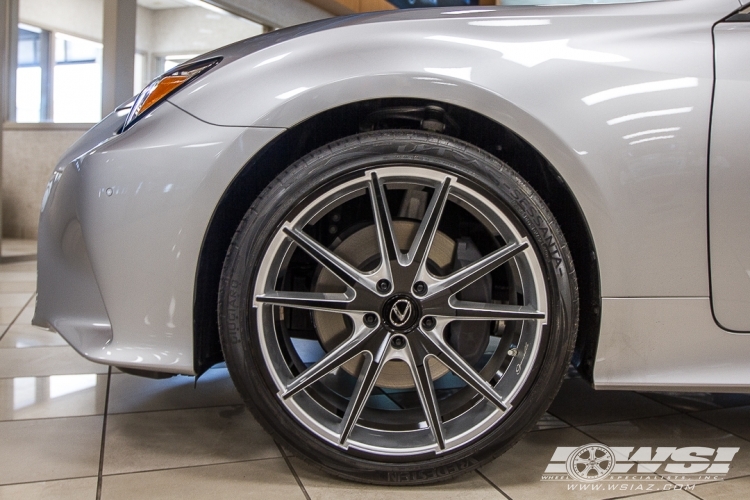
<point>691,492</point>
<point>46,481</point>
<point>492,484</point>
<point>114,413</point>
<point>294,472</point>
<point>195,466</point>
<point>717,482</point>
<point>575,427</point>
<point>744,476</point>
<point>33,295</point>
<point>104,436</point>
<point>611,421</point>
<point>681,411</point>
<point>694,417</point>
<point>234,406</point>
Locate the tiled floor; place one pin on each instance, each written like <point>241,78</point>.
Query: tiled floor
<point>74,429</point>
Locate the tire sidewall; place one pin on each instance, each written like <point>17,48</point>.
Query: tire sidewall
<point>328,165</point>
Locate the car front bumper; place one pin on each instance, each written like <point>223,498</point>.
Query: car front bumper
<point>122,224</point>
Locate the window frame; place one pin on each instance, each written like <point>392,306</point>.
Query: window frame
<point>47,62</point>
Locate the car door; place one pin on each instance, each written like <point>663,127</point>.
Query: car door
<point>729,175</point>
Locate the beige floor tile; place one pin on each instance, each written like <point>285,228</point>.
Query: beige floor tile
<point>27,315</point>
<point>724,490</point>
<point>578,404</point>
<point>734,420</point>
<point>320,485</point>
<point>66,489</point>
<point>19,314</point>
<point>17,286</point>
<point>15,273</point>
<point>42,361</point>
<point>669,494</point>
<point>699,401</point>
<point>129,393</point>
<point>8,314</point>
<point>181,438</point>
<point>24,398</point>
<point>14,300</point>
<point>12,247</point>
<point>672,430</point>
<point>23,335</point>
<point>57,448</point>
<point>261,479</point>
<point>519,471</point>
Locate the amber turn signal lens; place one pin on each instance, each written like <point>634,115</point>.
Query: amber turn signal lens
<point>164,87</point>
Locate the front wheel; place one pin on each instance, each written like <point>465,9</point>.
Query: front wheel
<point>398,306</point>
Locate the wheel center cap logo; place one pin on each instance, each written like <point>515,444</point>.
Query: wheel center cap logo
<point>401,313</point>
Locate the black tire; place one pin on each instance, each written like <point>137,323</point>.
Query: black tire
<point>341,160</point>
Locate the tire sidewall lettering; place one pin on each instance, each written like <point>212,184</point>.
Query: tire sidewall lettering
<point>237,318</point>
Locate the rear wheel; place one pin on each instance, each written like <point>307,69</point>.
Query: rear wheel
<point>398,307</point>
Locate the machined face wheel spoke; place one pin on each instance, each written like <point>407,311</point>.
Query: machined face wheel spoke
<point>465,276</point>
<point>373,269</point>
<point>368,375</point>
<point>420,371</point>
<point>363,339</point>
<point>477,311</point>
<point>436,346</point>
<point>330,302</point>
<point>339,267</point>
<point>420,247</point>
<point>387,244</point>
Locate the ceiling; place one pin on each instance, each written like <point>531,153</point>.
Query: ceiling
<point>164,4</point>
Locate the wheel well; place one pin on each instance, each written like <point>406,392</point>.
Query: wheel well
<point>403,114</point>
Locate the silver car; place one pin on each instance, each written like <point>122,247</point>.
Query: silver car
<point>399,229</point>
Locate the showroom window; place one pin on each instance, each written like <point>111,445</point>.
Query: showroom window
<point>169,62</point>
<point>77,87</point>
<point>59,71</point>
<point>58,78</point>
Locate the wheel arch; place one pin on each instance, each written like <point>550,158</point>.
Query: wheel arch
<point>348,119</point>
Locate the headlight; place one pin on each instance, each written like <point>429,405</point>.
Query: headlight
<point>164,86</point>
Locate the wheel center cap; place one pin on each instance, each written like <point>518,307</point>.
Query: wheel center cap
<point>401,313</point>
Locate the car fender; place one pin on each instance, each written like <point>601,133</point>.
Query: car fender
<point>587,86</point>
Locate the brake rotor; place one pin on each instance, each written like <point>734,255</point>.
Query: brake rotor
<point>359,249</point>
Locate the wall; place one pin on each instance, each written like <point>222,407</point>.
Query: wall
<point>144,29</point>
<point>81,18</point>
<point>193,30</point>
<point>274,13</point>
<point>30,153</point>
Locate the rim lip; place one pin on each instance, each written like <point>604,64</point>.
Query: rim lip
<point>482,416</point>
